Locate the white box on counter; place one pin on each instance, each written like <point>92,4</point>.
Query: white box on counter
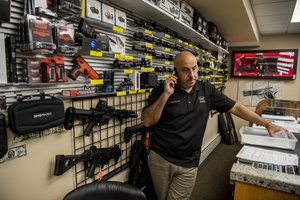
<point>260,137</point>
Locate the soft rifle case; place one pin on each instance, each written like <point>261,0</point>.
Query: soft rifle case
<point>28,116</point>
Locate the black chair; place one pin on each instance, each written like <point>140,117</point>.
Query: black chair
<point>108,190</point>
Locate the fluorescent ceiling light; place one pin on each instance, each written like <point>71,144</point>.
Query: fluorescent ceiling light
<point>296,14</point>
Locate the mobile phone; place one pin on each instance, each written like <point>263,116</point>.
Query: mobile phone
<point>175,71</point>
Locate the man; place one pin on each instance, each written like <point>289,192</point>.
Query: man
<point>177,111</point>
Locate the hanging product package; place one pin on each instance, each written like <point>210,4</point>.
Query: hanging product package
<point>28,116</point>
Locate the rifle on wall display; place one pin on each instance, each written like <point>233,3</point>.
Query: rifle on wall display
<point>92,158</point>
<point>99,115</point>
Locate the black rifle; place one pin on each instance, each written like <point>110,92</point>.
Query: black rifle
<point>92,158</point>
<point>99,115</point>
<point>129,131</point>
<point>118,113</point>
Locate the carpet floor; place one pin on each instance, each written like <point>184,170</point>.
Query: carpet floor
<point>213,179</point>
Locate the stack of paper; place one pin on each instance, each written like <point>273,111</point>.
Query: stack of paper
<point>267,156</point>
<point>279,118</point>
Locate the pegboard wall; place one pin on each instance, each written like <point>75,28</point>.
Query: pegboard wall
<point>107,135</point>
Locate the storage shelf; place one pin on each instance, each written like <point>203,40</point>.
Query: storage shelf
<point>153,12</point>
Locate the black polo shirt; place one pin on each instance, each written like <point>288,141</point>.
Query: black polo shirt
<point>178,135</point>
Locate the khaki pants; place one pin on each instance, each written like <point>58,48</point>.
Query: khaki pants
<point>171,182</point>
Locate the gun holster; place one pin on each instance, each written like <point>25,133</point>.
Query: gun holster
<point>28,116</point>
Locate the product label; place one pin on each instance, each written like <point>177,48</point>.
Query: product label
<point>122,93</point>
<point>96,82</point>
<point>96,53</point>
<point>118,29</point>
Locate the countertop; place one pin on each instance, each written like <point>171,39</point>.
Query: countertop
<point>267,178</point>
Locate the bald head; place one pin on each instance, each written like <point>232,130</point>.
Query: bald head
<point>184,58</point>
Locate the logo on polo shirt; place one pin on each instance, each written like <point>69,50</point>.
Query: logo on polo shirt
<point>201,99</point>
<point>175,101</point>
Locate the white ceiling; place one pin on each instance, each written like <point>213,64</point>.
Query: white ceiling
<point>241,22</point>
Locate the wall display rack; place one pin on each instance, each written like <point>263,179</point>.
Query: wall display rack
<point>149,10</point>
<point>106,135</point>
<point>143,42</point>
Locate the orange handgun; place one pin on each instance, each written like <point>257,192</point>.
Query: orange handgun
<point>82,67</point>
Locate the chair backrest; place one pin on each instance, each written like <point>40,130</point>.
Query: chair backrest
<point>109,190</point>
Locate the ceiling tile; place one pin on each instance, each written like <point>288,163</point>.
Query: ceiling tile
<point>268,1</point>
<point>280,8</point>
<point>273,29</point>
<point>293,28</point>
<point>278,19</point>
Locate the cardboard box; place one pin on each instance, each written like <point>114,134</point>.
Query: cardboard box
<point>185,7</point>
<point>185,18</point>
<point>93,9</point>
<point>117,44</point>
<point>169,7</point>
<point>108,14</point>
<point>120,19</point>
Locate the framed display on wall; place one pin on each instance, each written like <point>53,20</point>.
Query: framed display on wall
<point>265,64</point>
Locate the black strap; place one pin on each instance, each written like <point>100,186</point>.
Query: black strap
<point>3,136</point>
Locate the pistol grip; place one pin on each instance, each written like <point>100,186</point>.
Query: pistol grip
<point>59,165</point>
<point>75,72</point>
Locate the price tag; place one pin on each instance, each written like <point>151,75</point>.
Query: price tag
<point>167,63</point>
<point>147,69</point>
<point>190,45</point>
<point>128,71</point>
<point>122,93</point>
<point>197,57</point>
<point>119,56</point>
<point>150,90</point>
<point>186,44</point>
<point>96,53</point>
<point>197,48</point>
<point>148,57</point>
<point>132,91</point>
<point>166,75</point>
<point>96,82</point>
<point>167,36</point>
<point>149,32</point>
<point>118,29</point>
<point>128,57</point>
<point>147,44</point>
<point>141,91</point>
<point>180,41</point>
<point>167,49</point>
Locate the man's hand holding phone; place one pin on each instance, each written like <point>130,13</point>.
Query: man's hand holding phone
<point>170,83</point>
